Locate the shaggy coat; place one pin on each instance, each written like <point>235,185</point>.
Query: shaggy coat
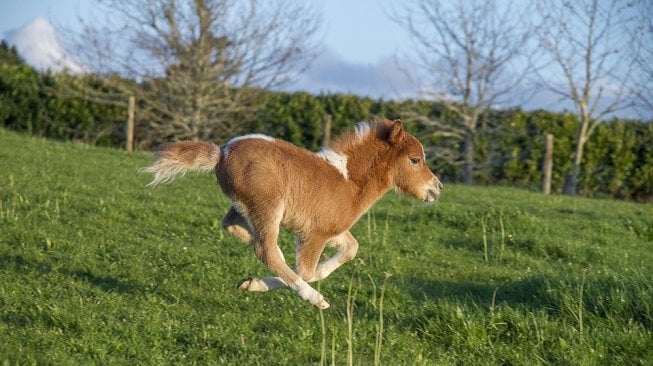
<point>318,196</point>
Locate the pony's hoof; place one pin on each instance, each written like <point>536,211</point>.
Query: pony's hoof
<point>245,283</point>
<point>322,305</point>
<point>253,284</point>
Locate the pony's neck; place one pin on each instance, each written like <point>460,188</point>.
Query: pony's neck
<point>368,170</point>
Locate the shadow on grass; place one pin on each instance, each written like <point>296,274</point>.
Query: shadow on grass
<point>532,291</point>
<point>20,264</point>
<point>576,213</point>
<point>58,278</point>
<point>603,296</point>
<point>105,283</point>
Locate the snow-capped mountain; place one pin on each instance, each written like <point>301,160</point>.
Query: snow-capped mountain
<point>38,44</point>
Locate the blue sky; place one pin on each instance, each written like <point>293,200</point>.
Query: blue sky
<point>357,55</point>
<point>14,14</point>
<point>358,31</point>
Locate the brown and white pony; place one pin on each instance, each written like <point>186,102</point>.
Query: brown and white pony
<point>318,196</point>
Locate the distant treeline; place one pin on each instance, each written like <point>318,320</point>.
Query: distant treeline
<point>618,160</point>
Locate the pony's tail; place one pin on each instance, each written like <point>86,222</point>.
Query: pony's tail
<point>183,157</point>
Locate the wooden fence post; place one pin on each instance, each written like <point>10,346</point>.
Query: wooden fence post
<point>326,130</point>
<point>130,123</point>
<point>547,165</point>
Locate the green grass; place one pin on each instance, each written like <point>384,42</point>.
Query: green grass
<point>96,268</point>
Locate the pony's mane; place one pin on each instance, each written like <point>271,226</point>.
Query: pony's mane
<point>377,127</point>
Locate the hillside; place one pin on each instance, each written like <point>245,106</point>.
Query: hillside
<point>97,268</point>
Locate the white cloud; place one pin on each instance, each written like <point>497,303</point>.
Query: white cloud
<point>37,43</point>
<point>380,78</point>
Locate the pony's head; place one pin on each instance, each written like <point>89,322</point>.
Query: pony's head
<point>411,174</point>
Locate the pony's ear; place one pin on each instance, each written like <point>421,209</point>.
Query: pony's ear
<point>396,132</point>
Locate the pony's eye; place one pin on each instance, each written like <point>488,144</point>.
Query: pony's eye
<point>414,161</point>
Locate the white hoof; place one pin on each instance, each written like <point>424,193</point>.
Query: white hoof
<point>244,283</point>
<point>322,305</point>
<point>252,284</point>
<point>307,293</point>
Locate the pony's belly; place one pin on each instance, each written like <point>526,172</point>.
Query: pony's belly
<point>328,224</point>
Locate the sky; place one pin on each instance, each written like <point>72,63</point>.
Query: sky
<point>359,31</point>
<point>357,53</point>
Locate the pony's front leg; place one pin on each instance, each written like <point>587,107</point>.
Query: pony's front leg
<point>347,248</point>
<point>310,249</point>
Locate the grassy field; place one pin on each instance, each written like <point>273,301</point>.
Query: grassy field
<point>96,268</point>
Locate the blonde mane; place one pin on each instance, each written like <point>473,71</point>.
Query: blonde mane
<point>375,127</point>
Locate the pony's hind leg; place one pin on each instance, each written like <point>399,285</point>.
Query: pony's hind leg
<point>266,232</point>
<point>235,223</point>
<point>262,284</point>
<point>347,249</point>
<point>274,283</point>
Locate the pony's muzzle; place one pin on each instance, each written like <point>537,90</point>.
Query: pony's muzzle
<point>434,190</point>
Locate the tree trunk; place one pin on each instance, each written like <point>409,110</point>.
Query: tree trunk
<point>571,179</point>
<point>468,157</point>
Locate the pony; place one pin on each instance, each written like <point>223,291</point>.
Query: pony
<point>318,196</point>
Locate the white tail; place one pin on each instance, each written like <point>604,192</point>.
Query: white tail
<point>181,157</point>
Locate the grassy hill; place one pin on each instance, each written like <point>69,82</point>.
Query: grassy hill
<point>96,268</point>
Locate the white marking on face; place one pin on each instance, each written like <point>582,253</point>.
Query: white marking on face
<point>230,143</point>
<point>338,160</point>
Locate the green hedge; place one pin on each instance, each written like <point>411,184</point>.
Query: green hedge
<point>33,102</point>
<point>618,159</point>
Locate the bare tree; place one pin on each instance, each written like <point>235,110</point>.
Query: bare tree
<point>472,56</point>
<point>197,67</point>
<point>585,43</point>
<point>642,48</point>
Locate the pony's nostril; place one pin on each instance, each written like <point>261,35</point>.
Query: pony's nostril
<point>440,185</point>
